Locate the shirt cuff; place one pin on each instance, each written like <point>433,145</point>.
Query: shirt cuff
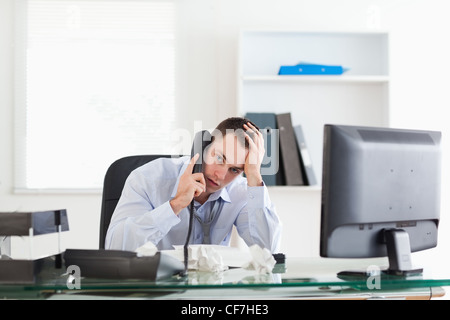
<point>258,197</point>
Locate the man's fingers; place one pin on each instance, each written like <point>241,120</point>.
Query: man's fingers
<point>199,177</point>
<point>199,184</point>
<point>199,190</point>
<point>250,127</point>
<point>192,162</point>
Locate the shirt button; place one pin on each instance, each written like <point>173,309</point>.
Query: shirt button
<point>251,196</point>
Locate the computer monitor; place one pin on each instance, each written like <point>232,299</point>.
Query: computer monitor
<point>380,193</point>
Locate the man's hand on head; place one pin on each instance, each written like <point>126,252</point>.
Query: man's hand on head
<point>255,155</point>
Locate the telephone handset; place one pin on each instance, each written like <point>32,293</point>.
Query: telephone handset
<point>202,139</point>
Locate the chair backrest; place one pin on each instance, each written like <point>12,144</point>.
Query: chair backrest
<point>115,178</point>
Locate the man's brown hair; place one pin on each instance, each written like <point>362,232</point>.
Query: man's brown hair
<point>234,125</point>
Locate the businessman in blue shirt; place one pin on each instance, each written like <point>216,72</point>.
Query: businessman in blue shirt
<point>154,205</point>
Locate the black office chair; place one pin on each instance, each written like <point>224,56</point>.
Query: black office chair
<point>115,178</point>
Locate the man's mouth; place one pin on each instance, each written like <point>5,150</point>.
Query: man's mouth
<point>211,182</point>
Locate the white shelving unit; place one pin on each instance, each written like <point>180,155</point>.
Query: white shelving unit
<point>358,97</point>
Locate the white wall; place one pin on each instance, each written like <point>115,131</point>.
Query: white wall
<point>207,88</point>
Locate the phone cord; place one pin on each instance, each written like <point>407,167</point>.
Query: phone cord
<point>186,244</point>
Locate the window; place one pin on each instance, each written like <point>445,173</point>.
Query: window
<point>94,82</point>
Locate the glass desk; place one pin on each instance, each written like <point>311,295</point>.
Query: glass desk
<point>298,278</point>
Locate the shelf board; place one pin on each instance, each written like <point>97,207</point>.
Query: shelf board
<point>317,78</point>
<point>315,188</point>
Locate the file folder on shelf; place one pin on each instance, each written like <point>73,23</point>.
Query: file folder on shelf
<point>289,151</point>
<point>307,166</point>
<point>304,68</point>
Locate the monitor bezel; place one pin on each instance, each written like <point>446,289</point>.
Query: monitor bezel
<point>355,152</point>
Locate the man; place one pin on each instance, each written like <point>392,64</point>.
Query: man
<point>154,205</point>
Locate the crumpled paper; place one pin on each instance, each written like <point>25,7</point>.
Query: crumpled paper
<point>148,249</point>
<point>201,257</point>
<point>205,258</point>
<point>262,260</point>
<point>208,258</point>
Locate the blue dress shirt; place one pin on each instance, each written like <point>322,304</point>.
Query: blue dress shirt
<point>144,213</point>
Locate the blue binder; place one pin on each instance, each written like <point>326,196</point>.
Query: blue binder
<point>304,68</point>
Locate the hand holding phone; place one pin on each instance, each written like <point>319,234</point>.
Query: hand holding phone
<point>201,141</point>
<point>190,185</point>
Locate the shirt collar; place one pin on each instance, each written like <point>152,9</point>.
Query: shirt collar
<point>222,193</point>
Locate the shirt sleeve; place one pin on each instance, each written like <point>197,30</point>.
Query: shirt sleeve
<point>137,219</point>
<point>258,222</point>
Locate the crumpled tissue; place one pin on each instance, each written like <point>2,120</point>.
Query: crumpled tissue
<point>205,258</point>
<point>201,257</point>
<point>262,260</point>
<point>148,249</point>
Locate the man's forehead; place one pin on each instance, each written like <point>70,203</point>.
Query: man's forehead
<point>232,148</point>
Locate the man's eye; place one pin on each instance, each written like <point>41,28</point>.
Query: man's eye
<point>236,171</point>
<point>219,159</point>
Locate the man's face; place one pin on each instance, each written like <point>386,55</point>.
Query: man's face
<point>224,161</point>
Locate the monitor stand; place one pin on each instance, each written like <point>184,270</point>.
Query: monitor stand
<point>399,255</point>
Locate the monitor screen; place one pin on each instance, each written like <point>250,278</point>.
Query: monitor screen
<point>378,181</point>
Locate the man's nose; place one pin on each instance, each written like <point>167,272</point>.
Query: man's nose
<point>221,172</point>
